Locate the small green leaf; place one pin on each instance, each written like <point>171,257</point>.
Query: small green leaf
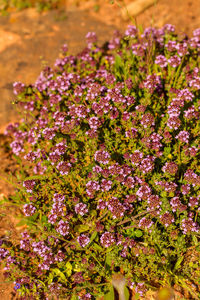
<point>137,296</point>
<point>194,238</point>
<point>74,297</point>
<point>130,232</point>
<point>110,295</point>
<point>167,150</point>
<point>163,194</point>
<point>138,233</point>
<point>93,236</point>
<point>60,274</point>
<point>50,278</point>
<point>81,228</point>
<point>127,294</point>
<point>36,177</point>
<point>22,222</point>
<point>97,247</point>
<point>18,159</point>
<point>68,269</point>
<point>178,263</point>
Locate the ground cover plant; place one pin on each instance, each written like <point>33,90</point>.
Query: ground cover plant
<point>41,5</point>
<point>108,146</point>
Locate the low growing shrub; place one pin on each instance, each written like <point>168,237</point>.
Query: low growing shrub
<point>41,5</point>
<point>110,174</point>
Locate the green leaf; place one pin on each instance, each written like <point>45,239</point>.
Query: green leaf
<point>74,297</point>
<point>68,270</point>
<point>33,217</point>
<point>110,295</point>
<point>138,233</point>
<point>178,263</point>
<point>93,236</point>
<point>22,222</point>
<point>167,150</point>
<point>60,274</point>
<point>50,278</point>
<point>118,61</point>
<point>109,259</point>
<point>18,159</point>
<point>194,238</point>
<point>36,177</point>
<point>126,292</point>
<point>163,194</point>
<point>130,232</point>
<point>137,296</point>
<point>81,228</point>
<point>97,247</point>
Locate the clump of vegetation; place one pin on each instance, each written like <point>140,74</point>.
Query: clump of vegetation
<point>41,5</point>
<point>110,178</point>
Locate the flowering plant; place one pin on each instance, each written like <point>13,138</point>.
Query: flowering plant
<point>110,179</point>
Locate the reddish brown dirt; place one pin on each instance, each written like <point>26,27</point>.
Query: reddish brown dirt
<point>27,38</point>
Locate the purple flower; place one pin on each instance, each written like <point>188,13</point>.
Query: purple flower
<point>174,61</point>
<point>132,133</point>
<point>141,289</point>
<point>167,219</point>
<point>91,38</point>
<point>63,167</point>
<point>83,240</point>
<point>101,204</point>
<point>171,46</point>
<point>85,297</point>
<point>176,204</point>
<point>143,192</point>
<point>17,147</point>
<point>147,164</point>
<point>18,88</point>
<point>169,27</point>
<point>116,208</point>
<point>3,253</point>
<point>170,167</point>
<point>131,31</point>
<point>81,209</point>
<point>64,48</point>
<point>106,185</point>
<point>183,136</point>
<point>39,169</point>
<point>107,239</point>
<point>29,185</point>
<point>195,83</point>
<point>49,133</point>
<point>145,223</point>
<point>174,122</point>
<point>92,186</point>
<point>161,61</point>
<point>63,228</point>
<point>188,225</point>
<point>17,286</point>
<point>29,209</point>
<point>196,32</point>
<point>94,122</point>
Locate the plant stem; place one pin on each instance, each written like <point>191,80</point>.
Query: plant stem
<point>133,218</point>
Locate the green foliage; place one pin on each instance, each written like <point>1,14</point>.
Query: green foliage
<point>41,5</point>
<point>106,184</point>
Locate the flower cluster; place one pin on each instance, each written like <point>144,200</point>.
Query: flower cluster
<point>110,145</point>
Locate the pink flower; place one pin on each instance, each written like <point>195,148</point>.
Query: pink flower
<point>83,240</point>
<point>81,209</point>
<point>107,239</point>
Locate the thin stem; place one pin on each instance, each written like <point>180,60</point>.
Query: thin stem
<point>132,226</point>
<point>102,216</point>
<point>133,218</point>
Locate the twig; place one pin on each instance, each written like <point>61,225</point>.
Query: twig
<point>102,216</point>
<point>133,218</point>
